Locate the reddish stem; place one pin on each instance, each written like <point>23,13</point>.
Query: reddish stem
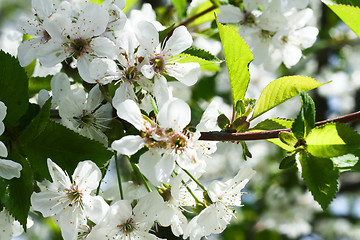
<point>225,136</point>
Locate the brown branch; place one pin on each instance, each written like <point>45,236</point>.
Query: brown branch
<point>193,18</point>
<point>248,136</point>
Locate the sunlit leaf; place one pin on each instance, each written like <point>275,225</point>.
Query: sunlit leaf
<point>281,90</point>
<point>238,57</point>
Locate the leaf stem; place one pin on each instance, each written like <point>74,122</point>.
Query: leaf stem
<point>249,136</point>
<point>137,170</point>
<point>119,176</point>
<point>194,179</point>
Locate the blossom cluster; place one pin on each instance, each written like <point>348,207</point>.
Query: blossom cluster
<point>276,31</point>
<point>108,48</point>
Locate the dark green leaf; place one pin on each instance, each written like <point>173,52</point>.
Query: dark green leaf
<point>38,83</point>
<point>223,121</point>
<point>288,162</point>
<point>17,191</point>
<point>65,147</point>
<point>13,88</point>
<point>305,121</point>
<point>320,177</point>
<point>201,53</point>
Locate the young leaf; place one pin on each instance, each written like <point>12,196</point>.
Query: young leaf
<point>348,11</point>
<point>238,57</point>
<point>17,191</point>
<point>223,121</point>
<point>180,6</point>
<point>273,124</point>
<point>288,138</point>
<point>201,53</point>
<point>288,162</point>
<point>305,121</point>
<point>65,147</point>
<point>13,88</point>
<point>204,64</point>
<point>280,90</point>
<point>332,140</point>
<point>320,177</point>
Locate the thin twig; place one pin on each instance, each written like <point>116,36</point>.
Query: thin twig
<point>248,136</point>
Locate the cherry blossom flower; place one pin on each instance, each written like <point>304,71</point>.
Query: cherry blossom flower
<point>160,58</point>
<point>217,215</point>
<point>86,115</point>
<point>122,221</point>
<point>70,203</point>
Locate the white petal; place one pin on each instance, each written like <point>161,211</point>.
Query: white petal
<point>60,179</point>
<point>103,47</point>
<point>68,221</point>
<point>124,92</point>
<point>95,98</point>
<point>83,65</point>
<point>26,52</point>
<point>305,37</point>
<point>48,202</point>
<point>147,36</point>
<point>103,70</point>
<point>229,14</point>
<point>3,150</point>
<point>87,175</point>
<point>9,169</point>
<point>161,90</point>
<point>179,41</point>
<point>187,73</point>
<point>60,86</point>
<point>175,114</point>
<point>128,145</point>
<point>292,55</point>
<point>95,208</point>
<point>92,21</point>
<point>148,71</point>
<point>147,207</point>
<point>54,53</point>
<point>129,111</point>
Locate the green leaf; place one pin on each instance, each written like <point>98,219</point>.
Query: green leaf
<point>129,5</point>
<point>288,162</point>
<point>204,64</point>
<point>38,83</point>
<point>281,90</point>
<point>37,125</point>
<point>320,177</point>
<point>13,88</point>
<point>273,124</point>
<point>305,121</point>
<point>180,6</point>
<point>223,121</point>
<point>165,32</point>
<point>17,191</point>
<point>332,140</point>
<point>288,138</point>
<point>63,146</point>
<point>201,53</point>
<point>238,57</point>
<point>348,11</point>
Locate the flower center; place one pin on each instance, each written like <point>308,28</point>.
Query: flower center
<point>158,63</point>
<point>130,74</point>
<point>86,119</point>
<point>79,46</point>
<point>179,141</point>
<point>75,195</point>
<point>127,227</point>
